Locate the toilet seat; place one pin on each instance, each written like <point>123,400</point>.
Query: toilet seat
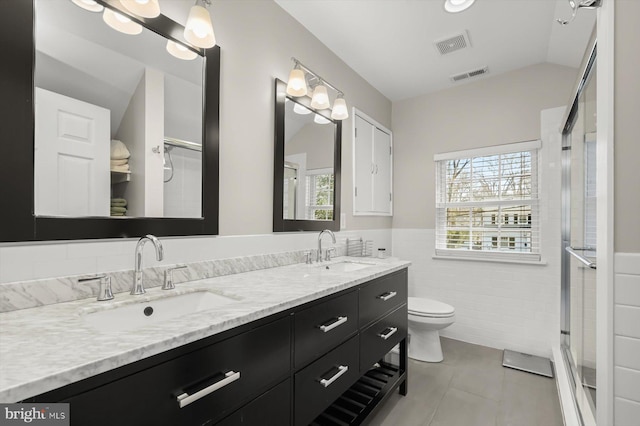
<point>429,308</point>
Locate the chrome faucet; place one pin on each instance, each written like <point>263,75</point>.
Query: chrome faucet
<point>333,237</point>
<point>138,286</point>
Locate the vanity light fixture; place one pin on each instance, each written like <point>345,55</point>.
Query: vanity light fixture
<point>339,111</point>
<point>455,6</point>
<point>299,109</point>
<point>143,8</point>
<point>121,23</point>
<point>320,98</point>
<point>297,84</point>
<point>180,51</point>
<point>199,29</point>
<point>320,119</point>
<point>302,77</point>
<point>89,5</point>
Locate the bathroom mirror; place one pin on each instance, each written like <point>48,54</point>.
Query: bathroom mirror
<point>306,166</point>
<point>163,108</point>
<point>94,85</point>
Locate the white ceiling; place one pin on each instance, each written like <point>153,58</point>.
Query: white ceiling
<point>390,43</point>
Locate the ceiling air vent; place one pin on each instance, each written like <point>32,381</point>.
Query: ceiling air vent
<point>451,44</point>
<point>469,74</point>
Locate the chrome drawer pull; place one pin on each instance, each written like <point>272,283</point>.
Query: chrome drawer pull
<point>391,332</point>
<point>341,370</point>
<point>386,296</point>
<point>339,321</point>
<point>186,399</point>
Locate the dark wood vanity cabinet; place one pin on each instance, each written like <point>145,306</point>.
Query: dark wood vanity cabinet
<point>309,365</point>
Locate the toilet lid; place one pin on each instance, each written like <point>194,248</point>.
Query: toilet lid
<point>429,307</point>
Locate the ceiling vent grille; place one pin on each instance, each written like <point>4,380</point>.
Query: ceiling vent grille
<point>470,74</point>
<point>452,44</point>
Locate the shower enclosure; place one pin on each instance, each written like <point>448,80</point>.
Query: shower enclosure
<point>182,178</point>
<point>578,330</point>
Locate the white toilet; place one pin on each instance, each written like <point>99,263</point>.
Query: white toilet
<point>426,317</point>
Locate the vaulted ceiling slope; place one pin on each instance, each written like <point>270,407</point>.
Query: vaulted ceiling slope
<point>391,43</point>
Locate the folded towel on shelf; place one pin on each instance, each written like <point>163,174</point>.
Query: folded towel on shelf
<point>119,150</point>
<point>116,209</point>
<point>119,162</point>
<point>117,214</point>
<point>123,168</point>
<point>118,202</point>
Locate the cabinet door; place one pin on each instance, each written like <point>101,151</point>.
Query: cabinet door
<point>363,166</point>
<point>272,408</point>
<point>216,380</point>
<point>382,171</point>
<point>372,168</point>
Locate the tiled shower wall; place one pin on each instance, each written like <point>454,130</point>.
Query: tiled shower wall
<point>627,339</point>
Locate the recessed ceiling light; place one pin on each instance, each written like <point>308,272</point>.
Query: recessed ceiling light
<point>454,6</point>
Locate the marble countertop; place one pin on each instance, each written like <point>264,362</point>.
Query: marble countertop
<point>48,347</point>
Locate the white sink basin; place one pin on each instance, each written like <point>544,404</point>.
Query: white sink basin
<point>346,266</point>
<point>142,314</point>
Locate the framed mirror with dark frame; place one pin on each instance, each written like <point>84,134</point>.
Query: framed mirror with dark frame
<point>307,165</point>
<point>17,132</point>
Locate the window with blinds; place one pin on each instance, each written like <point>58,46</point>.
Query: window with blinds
<point>487,202</point>
<point>319,200</point>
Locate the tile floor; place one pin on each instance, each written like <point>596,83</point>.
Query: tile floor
<point>471,388</point>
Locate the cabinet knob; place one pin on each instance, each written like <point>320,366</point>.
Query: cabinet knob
<point>341,370</point>
<point>185,399</point>
<point>388,295</point>
<point>336,323</point>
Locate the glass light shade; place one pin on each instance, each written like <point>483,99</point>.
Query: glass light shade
<point>121,23</point>
<point>144,8</point>
<point>180,51</point>
<point>299,109</point>
<point>320,119</point>
<point>340,111</point>
<point>454,6</point>
<point>320,98</point>
<point>199,29</point>
<point>297,84</point>
<point>89,5</point>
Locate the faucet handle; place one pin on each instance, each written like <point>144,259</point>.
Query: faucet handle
<point>104,291</point>
<point>168,277</point>
<point>307,257</point>
<point>327,254</point>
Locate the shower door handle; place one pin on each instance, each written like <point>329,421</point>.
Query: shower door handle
<point>574,252</point>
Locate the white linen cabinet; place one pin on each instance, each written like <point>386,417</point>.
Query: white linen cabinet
<point>372,167</point>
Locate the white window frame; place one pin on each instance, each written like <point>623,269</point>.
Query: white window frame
<point>310,207</point>
<point>442,205</point>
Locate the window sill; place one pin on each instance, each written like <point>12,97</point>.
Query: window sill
<point>477,259</point>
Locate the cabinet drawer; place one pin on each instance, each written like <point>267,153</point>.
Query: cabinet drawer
<point>324,326</point>
<point>381,337</point>
<point>217,379</point>
<point>319,384</point>
<point>272,408</point>
<point>382,296</point>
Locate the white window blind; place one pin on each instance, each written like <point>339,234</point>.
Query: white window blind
<point>320,194</point>
<point>487,203</point>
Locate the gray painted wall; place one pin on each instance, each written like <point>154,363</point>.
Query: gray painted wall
<point>493,111</point>
<point>257,40</point>
<point>627,126</point>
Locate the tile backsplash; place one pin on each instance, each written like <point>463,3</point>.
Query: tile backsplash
<point>35,275</point>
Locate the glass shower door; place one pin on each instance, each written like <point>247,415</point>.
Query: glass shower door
<point>579,262</point>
